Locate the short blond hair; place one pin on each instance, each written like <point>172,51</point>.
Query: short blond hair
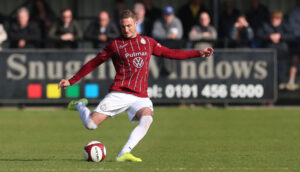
<point>128,14</point>
<point>277,14</point>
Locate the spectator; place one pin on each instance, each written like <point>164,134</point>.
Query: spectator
<point>242,33</point>
<point>189,13</point>
<point>168,30</point>
<point>3,35</point>
<point>66,32</point>
<point>22,33</point>
<point>152,13</point>
<point>143,27</point>
<point>101,31</point>
<point>294,22</point>
<point>257,15</point>
<point>167,27</point>
<point>43,15</point>
<point>204,31</point>
<point>119,6</point>
<point>227,18</point>
<point>274,35</point>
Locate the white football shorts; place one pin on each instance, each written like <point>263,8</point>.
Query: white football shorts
<point>115,103</point>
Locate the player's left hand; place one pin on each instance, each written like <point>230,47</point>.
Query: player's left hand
<point>206,52</point>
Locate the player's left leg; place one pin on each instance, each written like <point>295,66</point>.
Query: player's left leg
<point>91,120</point>
<point>144,116</point>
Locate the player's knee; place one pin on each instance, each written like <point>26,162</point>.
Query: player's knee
<point>90,125</point>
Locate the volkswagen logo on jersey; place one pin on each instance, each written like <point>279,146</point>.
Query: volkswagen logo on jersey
<point>138,62</point>
<point>143,41</point>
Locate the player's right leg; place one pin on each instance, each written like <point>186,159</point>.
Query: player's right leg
<point>90,120</point>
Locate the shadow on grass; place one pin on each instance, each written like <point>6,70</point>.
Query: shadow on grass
<point>50,160</point>
<point>23,160</point>
<point>39,160</point>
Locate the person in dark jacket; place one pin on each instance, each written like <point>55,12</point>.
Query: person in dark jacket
<point>275,34</point>
<point>22,33</point>
<point>241,33</point>
<point>101,31</point>
<point>257,15</point>
<point>152,12</point>
<point>43,15</point>
<point>65,32</point>
<point>189,14</point>
<point>119,5</point>
<point>227,18</point>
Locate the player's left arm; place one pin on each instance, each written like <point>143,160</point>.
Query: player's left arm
<point>162,51</point>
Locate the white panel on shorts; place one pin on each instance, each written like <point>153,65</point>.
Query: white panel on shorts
<point>115,103</point>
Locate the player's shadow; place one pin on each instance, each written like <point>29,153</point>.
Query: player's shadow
<point>37,160</point>
<point>23,160</point>
<point>40,160</point>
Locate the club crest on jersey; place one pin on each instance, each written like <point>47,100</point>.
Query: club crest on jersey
<point>103,107</point>
<point>138,62</point>
<point>143,41</point>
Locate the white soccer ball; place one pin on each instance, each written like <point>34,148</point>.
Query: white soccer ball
<point>94,151</point>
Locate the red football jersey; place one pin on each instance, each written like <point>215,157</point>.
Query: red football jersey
<point>131,60</point>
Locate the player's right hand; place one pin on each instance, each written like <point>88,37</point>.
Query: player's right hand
<point>64,83</point>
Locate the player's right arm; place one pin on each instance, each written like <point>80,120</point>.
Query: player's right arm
<point>88,67</point>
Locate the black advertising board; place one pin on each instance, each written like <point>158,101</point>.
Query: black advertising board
<point>239,76</point>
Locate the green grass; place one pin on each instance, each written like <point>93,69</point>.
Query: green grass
<point>180,139</point>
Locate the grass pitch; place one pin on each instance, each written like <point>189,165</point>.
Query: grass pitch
<point>180,139</point>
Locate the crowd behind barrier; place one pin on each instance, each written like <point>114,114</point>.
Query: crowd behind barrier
<point>190,26</point>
